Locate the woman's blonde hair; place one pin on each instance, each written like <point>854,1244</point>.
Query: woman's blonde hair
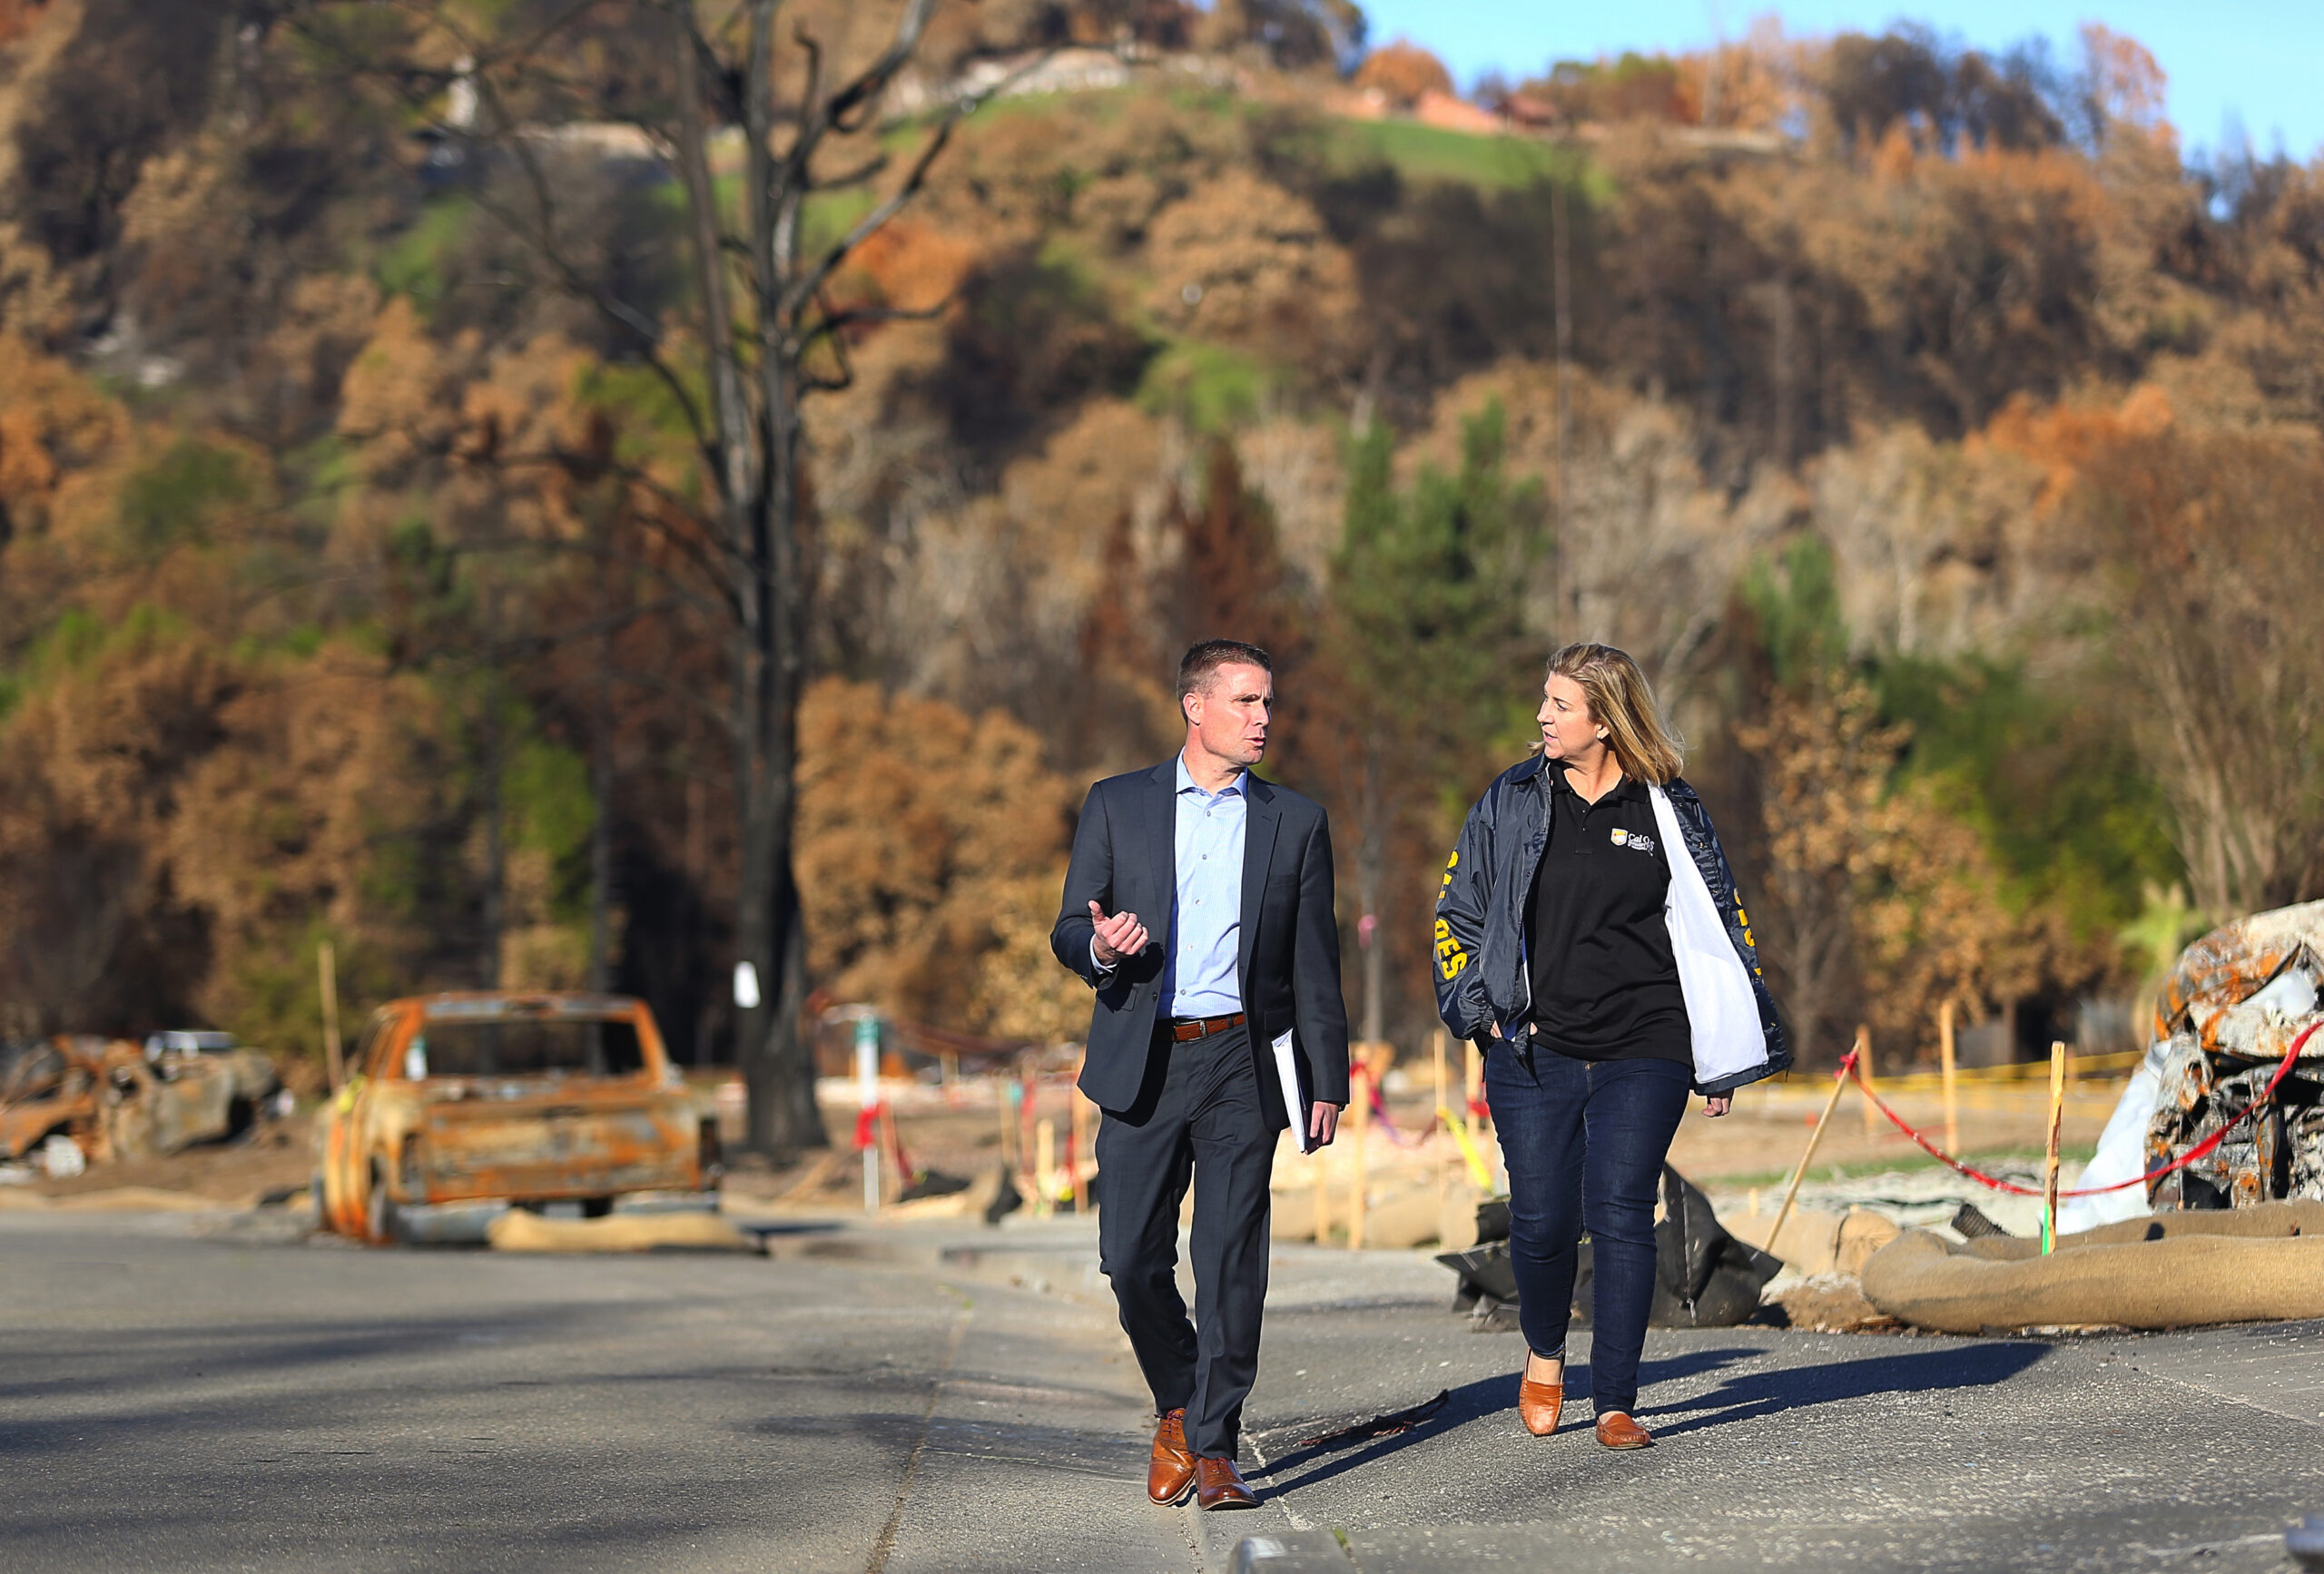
<point>1624,702</point>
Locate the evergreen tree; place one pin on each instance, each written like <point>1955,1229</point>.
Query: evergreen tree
<point>1428,654</point>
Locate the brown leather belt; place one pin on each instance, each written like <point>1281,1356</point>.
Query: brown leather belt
<point>1186,1029</point>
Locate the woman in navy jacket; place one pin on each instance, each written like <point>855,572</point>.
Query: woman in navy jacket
<point>1590,940</point>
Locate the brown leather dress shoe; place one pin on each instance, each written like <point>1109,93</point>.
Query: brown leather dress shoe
<point>1538,1404</point>
<point>1219,1485</point>
<point>1618,1431</point>
<point>1172,1469</point>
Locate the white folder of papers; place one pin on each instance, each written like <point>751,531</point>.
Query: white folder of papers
<point>1286,1074</point>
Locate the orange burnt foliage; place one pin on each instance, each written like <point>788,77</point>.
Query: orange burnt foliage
<point>909,267</point>
<point>2063,438</point>
<point>18,17</point>
<point>1403,74</point>
<point>932,846</point>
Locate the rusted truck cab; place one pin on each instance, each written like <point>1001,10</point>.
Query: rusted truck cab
<point>526,1098</point>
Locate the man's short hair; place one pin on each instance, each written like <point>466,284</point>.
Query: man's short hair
<point>1201,659</point>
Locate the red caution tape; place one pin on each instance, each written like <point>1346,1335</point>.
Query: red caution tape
<point>867,1128</point>
<point>2200,1150</point>
<point>896,1142</point>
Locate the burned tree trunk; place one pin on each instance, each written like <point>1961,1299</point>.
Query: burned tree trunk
<point>764,336</point>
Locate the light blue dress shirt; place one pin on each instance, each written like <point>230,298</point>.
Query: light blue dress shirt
<point>1206,920</point>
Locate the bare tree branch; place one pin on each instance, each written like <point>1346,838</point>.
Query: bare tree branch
<point>813,90</point>
<point>866,170</point>
<point>765,315</point>
<point>728,455</point>
<point>805,286</point>
<point>838,319</point>
<point>540,238</point>
<point>864,93</point>
<point>718,610</point>
<point>822,383</point>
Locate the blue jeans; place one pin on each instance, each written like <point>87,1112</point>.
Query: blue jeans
<point>1584,1142</point>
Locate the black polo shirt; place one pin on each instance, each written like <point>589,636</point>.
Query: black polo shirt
<point>1605,983</point>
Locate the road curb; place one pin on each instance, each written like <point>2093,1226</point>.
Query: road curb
<point>1292,1552</point>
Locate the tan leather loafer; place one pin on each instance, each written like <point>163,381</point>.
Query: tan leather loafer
<point>1171,1470</point>
<point>1219,1485</point>
<point>1618,1431</point>
<point>1538,1404</point>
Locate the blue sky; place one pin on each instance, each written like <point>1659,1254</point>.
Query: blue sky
<point>2250,58</point>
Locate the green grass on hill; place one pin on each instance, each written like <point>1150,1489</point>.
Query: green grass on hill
<point>1426,153</point>
<point>1419,154</point>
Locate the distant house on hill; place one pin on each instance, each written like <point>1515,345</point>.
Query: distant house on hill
<point>1030,72</point>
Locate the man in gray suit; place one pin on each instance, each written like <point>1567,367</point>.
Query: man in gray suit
<point>1198,906</point>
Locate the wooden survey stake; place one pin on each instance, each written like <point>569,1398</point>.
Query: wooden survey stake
<point>1321,1156</point>
<point>1075,1175</point>
<point>1945,1059</point>
<point>1044,1174</point>
<point>327,971</point>
<point>1436,1113</point>
<point>1863,1075</point>
<point>1473,1077</point>
<point>1078,1141</point>
<point>1791,1191</point>
<point>2050,1160</point>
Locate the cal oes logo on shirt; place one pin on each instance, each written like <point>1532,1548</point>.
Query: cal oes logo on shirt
<point>1638,839</point>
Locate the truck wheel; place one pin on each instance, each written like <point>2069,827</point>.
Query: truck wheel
<point>382,1227</point>
<point>597,1208</point>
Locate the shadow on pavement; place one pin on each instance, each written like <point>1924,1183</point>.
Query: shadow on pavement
<point>1470,1401</point>
<point>763,1230</point>
<point>1747,1398</point>
<point>1766,1393</point>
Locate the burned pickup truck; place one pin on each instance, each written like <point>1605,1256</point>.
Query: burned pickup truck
<point>464,1099</point>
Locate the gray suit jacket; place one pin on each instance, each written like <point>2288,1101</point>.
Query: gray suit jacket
<point>1125,858</point>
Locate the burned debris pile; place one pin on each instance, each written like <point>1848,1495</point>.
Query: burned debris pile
<point>2205,1200</point>
<point>2235,1005</point>
<point>76,1100</point>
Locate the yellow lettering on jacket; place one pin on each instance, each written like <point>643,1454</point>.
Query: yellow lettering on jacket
<point>1450,958</point>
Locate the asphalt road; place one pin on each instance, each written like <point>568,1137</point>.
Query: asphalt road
<point>174,1400</point>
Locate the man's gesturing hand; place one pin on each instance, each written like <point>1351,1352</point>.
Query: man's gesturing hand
<point>1119,936</point>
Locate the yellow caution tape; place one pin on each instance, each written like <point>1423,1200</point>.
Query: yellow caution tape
<point>1478,1171</point>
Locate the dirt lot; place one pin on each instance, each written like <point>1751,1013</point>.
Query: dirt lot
<point>1757,1144</point>
<point>1762,1138</point>
<point>272,1157</point>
